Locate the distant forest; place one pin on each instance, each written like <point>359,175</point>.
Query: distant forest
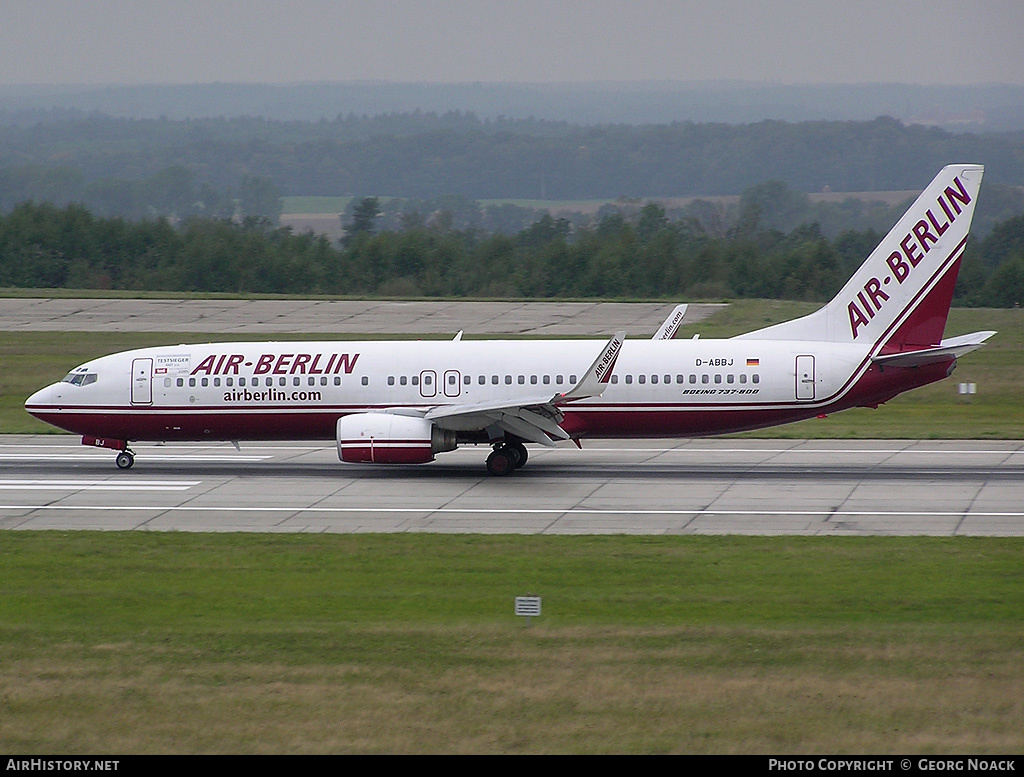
<point>193,205</point>
<point>642,254</point>
<point>419,155</point>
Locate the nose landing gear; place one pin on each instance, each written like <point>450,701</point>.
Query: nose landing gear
<point>125,457</point>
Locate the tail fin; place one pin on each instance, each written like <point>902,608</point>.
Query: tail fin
<point>900,297</point>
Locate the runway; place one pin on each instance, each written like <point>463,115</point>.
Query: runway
<point>720,486</point>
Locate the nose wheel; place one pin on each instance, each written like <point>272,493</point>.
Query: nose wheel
<point>125,460</point>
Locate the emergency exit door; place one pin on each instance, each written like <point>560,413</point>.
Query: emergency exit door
<point>142,381</point>
<point>805,377</point>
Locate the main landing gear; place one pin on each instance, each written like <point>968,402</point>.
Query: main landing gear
<point>125,459</point>
<point>506,458</point>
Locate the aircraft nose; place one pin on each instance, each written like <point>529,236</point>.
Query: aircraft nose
<point>45,396</point>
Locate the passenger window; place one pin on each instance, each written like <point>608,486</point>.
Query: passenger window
<point>206,382</point>
<point>547,379</point>
<point>481,380</point>
<point>654,378</point>
<point>337,380</point>
<point>756,378</point>
<point>227,381</point>
<point>365,381</point>
<point>730,378</point>
<point>181,382</point>
<point>704,378</point>
<point>679,378</point>
<point>508,380</point>
<point>533,380</point>
<point>216,381</point>
<point>572,379</point>
<point>415,380</point>
<point>167,382</point>
<point>718,378</point>
<point>391,380</point>
<point>615,378</point>
<point>192,382</point>
<point>558,379</point>
<point>743,377</point>
<point>641,378</point>
<point>403,380</point>
<point>494,380</point>
<point>521,380</point>
<point>629,380</point>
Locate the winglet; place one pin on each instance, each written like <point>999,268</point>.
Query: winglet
<point>672,323</point>
<point>595,379</point>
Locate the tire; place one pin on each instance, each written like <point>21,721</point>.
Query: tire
<point>124,460</point>
<point>500,463</point>
<point>518,452</point>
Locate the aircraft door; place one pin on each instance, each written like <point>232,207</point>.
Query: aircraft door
<point>142,381</point>
<point>452,383</point>
<point>428,383</point>
<point>805,376</point>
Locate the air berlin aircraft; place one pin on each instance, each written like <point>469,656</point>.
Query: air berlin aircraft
<point>402,402</point>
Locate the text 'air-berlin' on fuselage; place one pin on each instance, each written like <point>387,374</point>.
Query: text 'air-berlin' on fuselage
<point>279,364</point>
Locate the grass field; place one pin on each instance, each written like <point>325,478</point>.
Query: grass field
<point>30,360</point>
<point>170,643</point>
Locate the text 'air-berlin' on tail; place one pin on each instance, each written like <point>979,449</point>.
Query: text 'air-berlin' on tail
<point>403,402</point>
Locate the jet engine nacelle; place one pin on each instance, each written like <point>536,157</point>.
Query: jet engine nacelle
<point>382,438</point>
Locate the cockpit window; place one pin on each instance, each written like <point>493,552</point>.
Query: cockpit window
<point>80,378</point>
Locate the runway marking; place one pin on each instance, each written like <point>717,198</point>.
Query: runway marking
<point>97,485</point>
<point>527,511</point>
<point>208,458</point>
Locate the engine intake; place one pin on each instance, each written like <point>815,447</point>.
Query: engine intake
<point>382,438</point>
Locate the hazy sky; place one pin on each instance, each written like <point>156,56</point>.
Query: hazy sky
<point>781,41</point>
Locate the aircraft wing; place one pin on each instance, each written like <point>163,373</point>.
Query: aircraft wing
<point>534,418</point>
<point>954,347</point>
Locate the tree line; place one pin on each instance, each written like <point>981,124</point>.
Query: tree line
<point>641,253</point>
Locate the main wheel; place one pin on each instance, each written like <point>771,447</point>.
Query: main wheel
<point>125,460</point>
<point>518,452</point>
<point>500,462</point>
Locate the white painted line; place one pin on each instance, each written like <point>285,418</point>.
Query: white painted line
<point>98,485</point>
<point>146,457</point>
<point>522,511</point>
<point>137,447</point>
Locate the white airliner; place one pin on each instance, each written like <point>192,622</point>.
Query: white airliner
<point>402,402</point>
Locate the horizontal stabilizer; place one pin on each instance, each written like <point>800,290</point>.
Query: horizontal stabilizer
<point>954,347</point>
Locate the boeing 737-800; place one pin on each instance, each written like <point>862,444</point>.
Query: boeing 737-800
<point>403,402</point>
